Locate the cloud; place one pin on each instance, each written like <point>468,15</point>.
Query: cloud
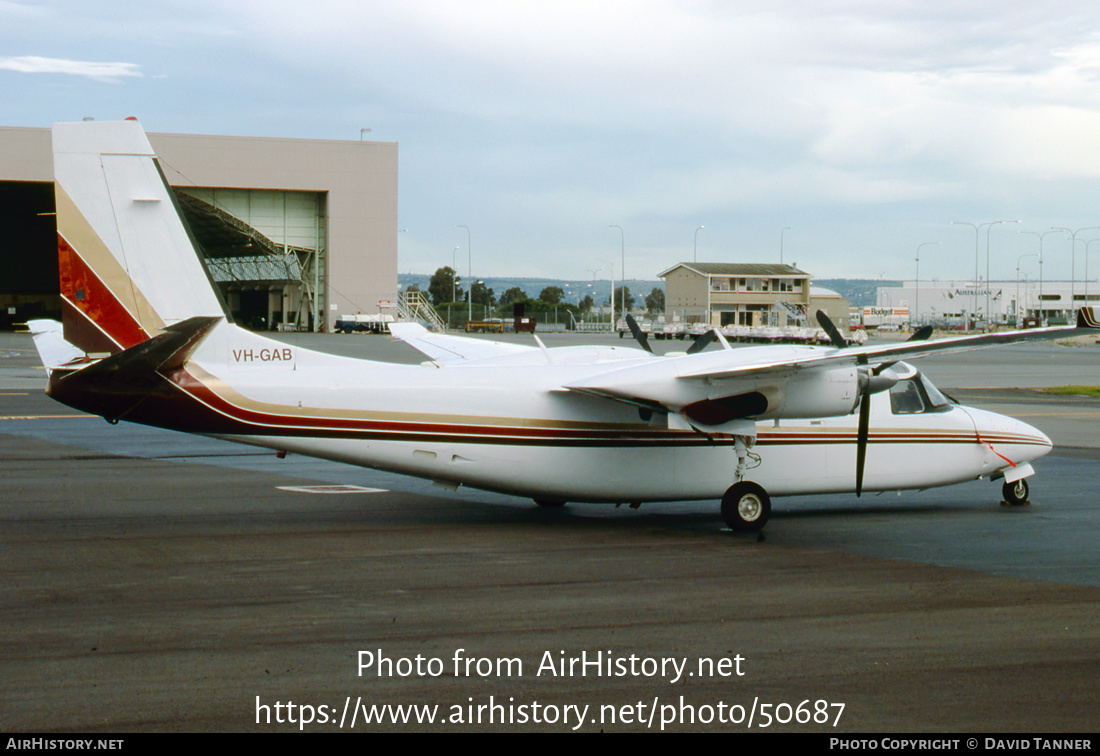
<point>90,69</point>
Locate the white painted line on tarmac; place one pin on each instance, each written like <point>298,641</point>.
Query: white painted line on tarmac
<point>333,489</point>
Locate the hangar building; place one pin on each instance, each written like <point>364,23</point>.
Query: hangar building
<point>294,231</point>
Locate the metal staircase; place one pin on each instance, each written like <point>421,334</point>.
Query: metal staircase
<point>414,306</point>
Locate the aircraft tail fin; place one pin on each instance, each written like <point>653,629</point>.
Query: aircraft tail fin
<point>129,266</point>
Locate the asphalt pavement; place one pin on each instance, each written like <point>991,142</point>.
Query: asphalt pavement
<point>153,581</point>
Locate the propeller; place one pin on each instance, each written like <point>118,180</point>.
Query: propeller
<point>861,440</point>
<point>921,334</point>
<point>871,381</point>
<point>638,333</point>
<point>700,344</point>
<point>703,342</point>
<point>834,333</point>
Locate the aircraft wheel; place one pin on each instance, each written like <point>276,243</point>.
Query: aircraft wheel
<point>1015,493</point>
<point>549,503</point>
<point>746,507</point>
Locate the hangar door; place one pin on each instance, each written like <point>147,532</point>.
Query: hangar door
<point>265,250</point>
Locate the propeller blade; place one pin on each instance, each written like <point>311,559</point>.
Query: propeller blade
<point>921,334</point>
<point>861,440</point>
<point>638,334</point>
<point>703,342</point>
<point>829,328</point>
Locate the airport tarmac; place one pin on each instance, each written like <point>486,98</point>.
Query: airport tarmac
<point>153,581</point>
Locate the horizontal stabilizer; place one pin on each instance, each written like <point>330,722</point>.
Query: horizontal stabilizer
<point>50,342</point>
<point>145,365</point>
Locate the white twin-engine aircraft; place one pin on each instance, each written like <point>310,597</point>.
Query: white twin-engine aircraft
<point>146,338</point>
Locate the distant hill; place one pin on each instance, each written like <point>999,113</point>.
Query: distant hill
<point>860,292</point>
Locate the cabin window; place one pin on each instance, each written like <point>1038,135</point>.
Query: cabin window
<point>905,398</point>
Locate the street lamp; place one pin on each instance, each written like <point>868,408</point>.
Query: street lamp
<point>1042,236</point>
<point>469,271</point>
<point>916,303</point>
<point>695,257</point>
<point>784,230</point>
<point>1018,259</point>
<point>988,287</point>
<point>1072,261</point>
<point>976,227</point>
<point>622,272</point>
<point>611,267</point>
<point>454,275</point>
<point>1090,241</point>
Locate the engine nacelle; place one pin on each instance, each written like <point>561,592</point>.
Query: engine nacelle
<point>801,394</point>
<point>813,393</point>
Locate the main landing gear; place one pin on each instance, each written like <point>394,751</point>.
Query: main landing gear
<point>1015,493</point>
<point>746,507</point>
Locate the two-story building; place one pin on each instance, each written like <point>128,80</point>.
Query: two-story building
<point>743,294</point>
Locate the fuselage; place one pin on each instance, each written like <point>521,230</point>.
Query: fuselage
<point>508,426</point>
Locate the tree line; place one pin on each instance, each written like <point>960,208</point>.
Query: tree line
<point>446,291</point>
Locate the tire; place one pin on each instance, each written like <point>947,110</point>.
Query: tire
<point>746,507</point>
<point>1016,493</point>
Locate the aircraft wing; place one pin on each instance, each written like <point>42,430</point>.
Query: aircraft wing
<point>1088,318</point>
<point>442,348</point>
<point>712,388</point>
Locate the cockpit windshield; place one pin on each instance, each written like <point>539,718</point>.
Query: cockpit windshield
<point>936,399</point>
<point>916,395</point>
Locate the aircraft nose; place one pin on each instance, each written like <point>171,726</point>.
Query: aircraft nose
<point>1010,437</point>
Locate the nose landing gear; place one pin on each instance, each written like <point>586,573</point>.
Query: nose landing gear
<point>1015,493</point>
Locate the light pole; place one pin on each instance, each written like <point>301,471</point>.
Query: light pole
<point>611,267</point>
<point>1072,261</point>
<point>988,287</point>
<point>916,305</point>
<point>469,272</point>
<point>977,256</point>
<point>1067,231</point>
<point>454,275</point>
<point>1090,241</point>
<point>622,272</point>
<point>1042,236</point>
<point>1018,259</point>
<point>975,227</point>
<point>783,231</point>
<point>695,257</point>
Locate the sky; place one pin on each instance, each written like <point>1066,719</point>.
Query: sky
<point>844,136</point>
